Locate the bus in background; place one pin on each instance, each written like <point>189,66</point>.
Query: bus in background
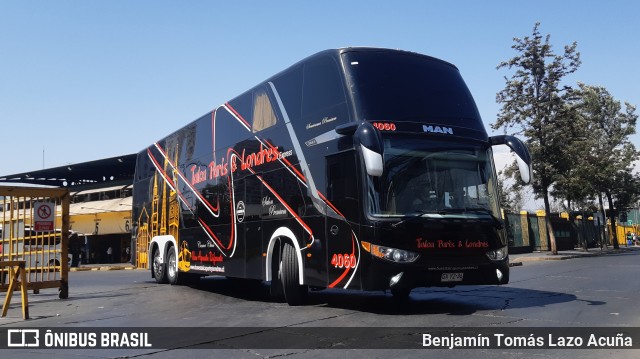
<point>356,168</point>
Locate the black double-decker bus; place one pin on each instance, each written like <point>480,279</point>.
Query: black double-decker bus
<point>356,168</point>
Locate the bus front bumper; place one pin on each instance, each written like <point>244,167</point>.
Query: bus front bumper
<point>391,275</point>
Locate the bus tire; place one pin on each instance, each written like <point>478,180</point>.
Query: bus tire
<point>174,276</point>
<point>158,267</point>
<point>172,267</point>
<point>275,289</point>
<point>400,294</point>
<point>294,293</point>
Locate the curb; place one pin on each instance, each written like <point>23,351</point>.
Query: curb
<point>549,257</point>
<point>86,269</point>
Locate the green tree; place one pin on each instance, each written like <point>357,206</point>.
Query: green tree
<point>511,198</point>
<point>608,164</point>
<point>627,191</point>
<point>572,182</point>
<point>534,103</point>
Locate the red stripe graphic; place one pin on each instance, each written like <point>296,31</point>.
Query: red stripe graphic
<point>237,114</point>
<point>293,213</point>
<point>344,274</point>
<point>289,163</point>
<point>213,235</point>
<point>232,211</point>
<point>213,132</point>
<point>230,153</point>
<point>202,199</point>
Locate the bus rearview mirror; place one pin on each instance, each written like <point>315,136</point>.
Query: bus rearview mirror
<point>523,157</point>
<point>370,141</point>
<point>347,129</point>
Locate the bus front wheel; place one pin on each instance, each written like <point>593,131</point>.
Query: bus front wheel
<point>294,293</point>
<point>401,294</point>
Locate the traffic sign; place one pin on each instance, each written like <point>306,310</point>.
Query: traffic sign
<point>44,216</point>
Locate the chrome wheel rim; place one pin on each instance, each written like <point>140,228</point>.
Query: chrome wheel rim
<point>156,265</point>
<point>172,266</point>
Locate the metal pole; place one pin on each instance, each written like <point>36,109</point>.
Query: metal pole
<point>605,238</point>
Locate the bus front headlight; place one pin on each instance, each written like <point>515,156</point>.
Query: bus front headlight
<point>498,254</point>
<point>391,254</point>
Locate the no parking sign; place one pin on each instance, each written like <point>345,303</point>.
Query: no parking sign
<point>44,216</point>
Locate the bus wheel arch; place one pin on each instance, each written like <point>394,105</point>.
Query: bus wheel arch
<point>274,253</point>
<point>285,267</point>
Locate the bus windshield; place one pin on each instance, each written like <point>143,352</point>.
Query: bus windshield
<point>441,177</point>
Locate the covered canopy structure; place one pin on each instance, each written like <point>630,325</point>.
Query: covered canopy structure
<point>94,174</point>
<point>100,205</point>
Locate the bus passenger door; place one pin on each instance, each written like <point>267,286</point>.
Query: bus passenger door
<point>343,215</point>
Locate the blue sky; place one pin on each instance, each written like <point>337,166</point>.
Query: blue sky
<point>86,80</point>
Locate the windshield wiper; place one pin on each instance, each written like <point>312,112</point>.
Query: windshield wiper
<point>497,222</point>
<point>414,215</point>
<point>419,214</point>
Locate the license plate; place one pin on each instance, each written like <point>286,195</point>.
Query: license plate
<point>451,277</point>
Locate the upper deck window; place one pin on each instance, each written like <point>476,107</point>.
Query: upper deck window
<point>399,86</point>
<point>263,115</point>
<point>322,87</point>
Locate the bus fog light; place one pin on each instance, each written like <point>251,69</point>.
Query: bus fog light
<point>499,275</point>
<point>498,254</point>
<point>395,279</point>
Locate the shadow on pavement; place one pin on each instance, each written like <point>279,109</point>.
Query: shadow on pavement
<point>453,301</point>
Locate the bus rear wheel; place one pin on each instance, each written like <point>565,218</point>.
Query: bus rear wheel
<point>294,293</point>
<point>158,268</point>
<point>174,276</point>
<point>172,267</point>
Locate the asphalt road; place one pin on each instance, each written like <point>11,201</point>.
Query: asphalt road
<point>582,292</point>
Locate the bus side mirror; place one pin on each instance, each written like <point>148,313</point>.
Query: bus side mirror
<point>368,139</point>
<point>347,129</point>
<point>523,158</point>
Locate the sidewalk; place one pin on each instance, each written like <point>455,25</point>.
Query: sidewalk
<point>103,266</point>
<point>518,259</point>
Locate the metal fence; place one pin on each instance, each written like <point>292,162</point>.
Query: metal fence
<point>527,232</point>
<point>34,228</point>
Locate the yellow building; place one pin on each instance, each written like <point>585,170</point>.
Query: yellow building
<point>106,222</point>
